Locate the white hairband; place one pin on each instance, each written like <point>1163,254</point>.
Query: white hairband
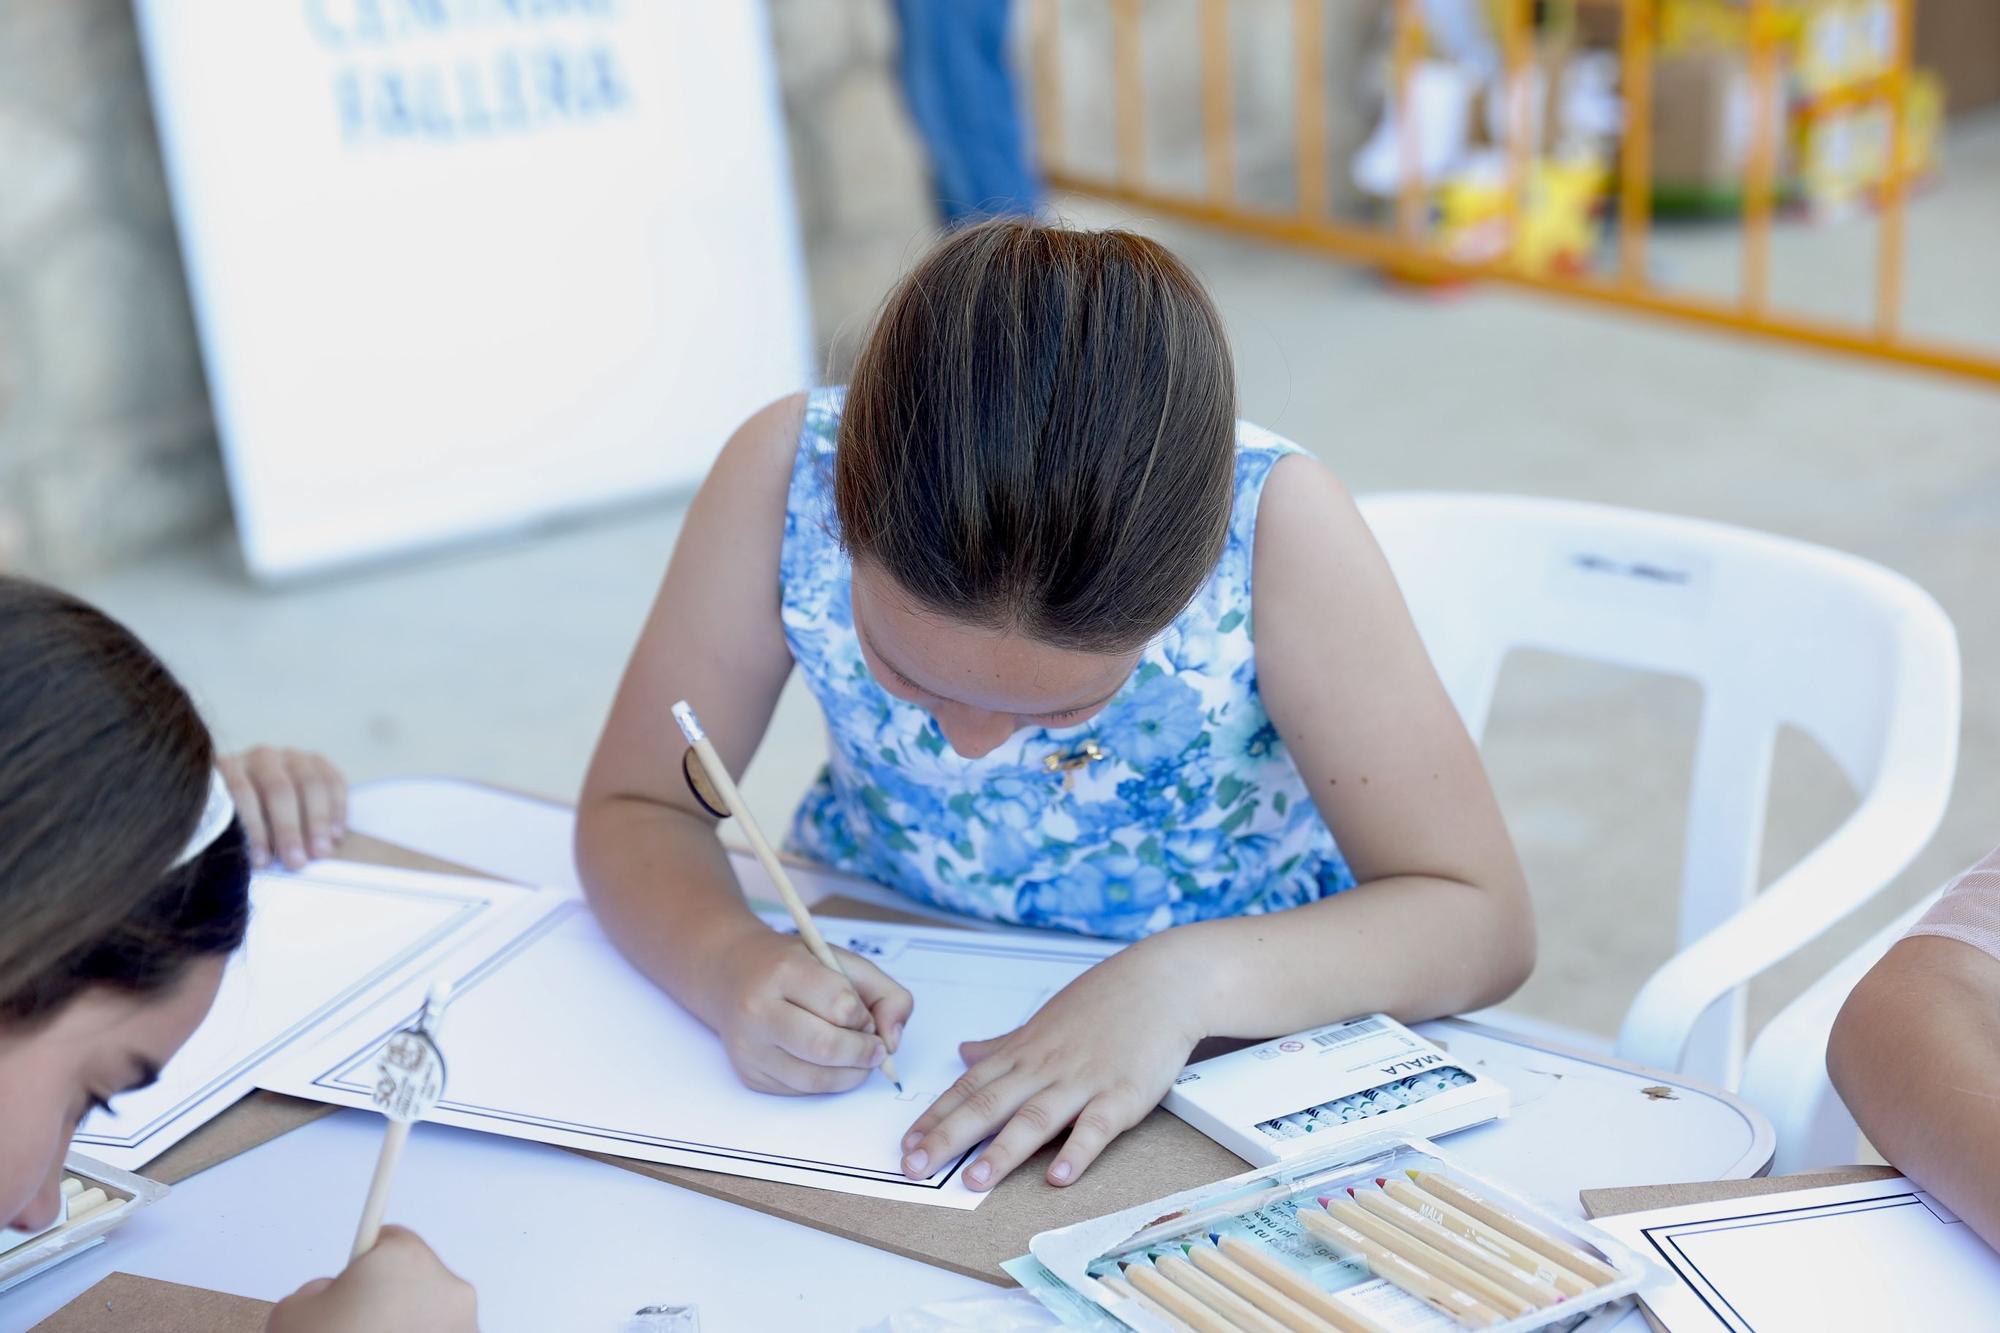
<point>216,816</point>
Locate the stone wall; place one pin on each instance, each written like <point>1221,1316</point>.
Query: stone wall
<point>107,450</point>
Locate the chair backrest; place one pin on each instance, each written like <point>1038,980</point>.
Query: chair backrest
<point>1773,631</point>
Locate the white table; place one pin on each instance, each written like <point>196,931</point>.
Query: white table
<point>556,1241</point>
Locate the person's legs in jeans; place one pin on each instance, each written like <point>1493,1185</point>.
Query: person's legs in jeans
<point>961,92</point>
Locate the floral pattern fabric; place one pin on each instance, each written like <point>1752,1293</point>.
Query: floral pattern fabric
<point>1195,811</point>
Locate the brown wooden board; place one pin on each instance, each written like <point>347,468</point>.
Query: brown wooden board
<point>122,1303</point>
<point>1160,1156</point>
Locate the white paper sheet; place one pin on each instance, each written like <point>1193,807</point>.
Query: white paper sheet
<point>1875,1255</point>
<point>322,943</point>
<point>556,1038</point>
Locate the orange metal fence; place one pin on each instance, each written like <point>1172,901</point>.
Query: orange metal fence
<point>1406,249</point>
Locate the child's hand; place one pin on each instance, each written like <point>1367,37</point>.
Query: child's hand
<point>1101,1054</point>
<point>292,803</point>
<point>398,1285</point>
<point>792,1025</point>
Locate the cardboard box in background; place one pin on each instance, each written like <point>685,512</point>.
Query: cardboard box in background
<point>1960,39</point>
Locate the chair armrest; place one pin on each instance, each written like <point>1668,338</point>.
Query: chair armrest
<point>1875,844</point>
<point>1785,1074</point>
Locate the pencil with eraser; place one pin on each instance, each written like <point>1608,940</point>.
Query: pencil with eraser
<point>717,774</point>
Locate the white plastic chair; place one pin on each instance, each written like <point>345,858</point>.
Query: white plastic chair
<point>1776,632</point>
<point>1785,1075</point>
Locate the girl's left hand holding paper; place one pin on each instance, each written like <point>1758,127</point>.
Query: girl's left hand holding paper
<point>1096,1058</point>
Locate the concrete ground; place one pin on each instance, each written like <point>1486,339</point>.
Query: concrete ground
<point>498,662</point>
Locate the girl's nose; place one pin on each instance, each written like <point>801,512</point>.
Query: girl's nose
<point>974,732</point>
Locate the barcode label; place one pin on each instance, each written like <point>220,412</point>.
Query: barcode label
<point>1348,1033</point>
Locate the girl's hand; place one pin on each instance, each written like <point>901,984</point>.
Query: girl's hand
<point>1098,1057</point>
<point>292,803</point>
<point>792,1025</point>
<point>398,1285</point>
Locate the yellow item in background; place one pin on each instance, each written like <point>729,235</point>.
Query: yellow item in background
<point>1558,218</point>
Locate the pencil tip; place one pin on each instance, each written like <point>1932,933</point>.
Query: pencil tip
<point>1383,1181</point>
<point>1215,1237</point>
<point>898,1083</point>
<point>1350,1192</point>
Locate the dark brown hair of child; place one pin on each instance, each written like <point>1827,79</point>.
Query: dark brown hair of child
<point>1039,435</point>
<point>104,773</point>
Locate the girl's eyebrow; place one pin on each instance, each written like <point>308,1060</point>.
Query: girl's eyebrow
<point>894,670</point>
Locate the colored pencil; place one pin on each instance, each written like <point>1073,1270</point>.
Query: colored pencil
<point>1524,1285</point>
<point>1177,1302</point>
<point>1522,1230</point>
<point>1295,1284</point>
<point>1432,1260</point>
<point>1119,1286</point>
<point>1212,1261</point>
<point>1398,1271</point>
<point>1180,1271</point>
<point>1493,1242</point>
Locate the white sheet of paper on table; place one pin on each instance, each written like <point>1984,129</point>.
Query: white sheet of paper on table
<point>556,1038</point>
<point>323,942</point>
<point>1877,1254</point>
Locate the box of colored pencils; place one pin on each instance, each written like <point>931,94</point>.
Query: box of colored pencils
<point>1389,1236</point>
<point>96,1198</point>
<point>1312,1091</point>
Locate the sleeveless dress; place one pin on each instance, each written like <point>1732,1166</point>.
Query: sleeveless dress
<point>1195,811</point>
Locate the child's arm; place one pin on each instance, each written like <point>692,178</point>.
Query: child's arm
<point>293,804</point>
<point>650,860</point>
<point>1915,1054</point>
<point>1439,923</point>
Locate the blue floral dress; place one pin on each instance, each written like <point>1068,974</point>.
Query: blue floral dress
<point>1194,811</point>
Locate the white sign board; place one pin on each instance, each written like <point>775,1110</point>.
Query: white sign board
<point>460,265</point>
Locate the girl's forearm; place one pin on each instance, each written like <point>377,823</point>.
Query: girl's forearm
<point>1414,946</point>
<point>660,881</point>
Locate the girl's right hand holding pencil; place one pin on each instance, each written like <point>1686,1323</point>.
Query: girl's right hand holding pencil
<point>400,1284</point>
<point>792,1025</point>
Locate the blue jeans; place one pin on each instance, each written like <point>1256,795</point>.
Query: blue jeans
<point>961,92</point>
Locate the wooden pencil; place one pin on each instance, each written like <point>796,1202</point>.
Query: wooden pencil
<point>1393,1268</point>
<point>1294,1316</point>
<point>1431,1259</point>
<point>370,1229</point>
<point>1522,1230</point>
<point>1239,1312</point>
<point>1523,1284</point>
<point>717,773</point>
<point>1126,1290</point>
<point>1178,1303</point>
<point>1297,1286</point>
<point>1472,1229</point>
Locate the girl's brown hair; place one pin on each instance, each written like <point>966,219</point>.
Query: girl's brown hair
<point>104,773</point>
<point>1039,435</point>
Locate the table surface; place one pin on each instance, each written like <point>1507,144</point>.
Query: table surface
<point>511,1215</point>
